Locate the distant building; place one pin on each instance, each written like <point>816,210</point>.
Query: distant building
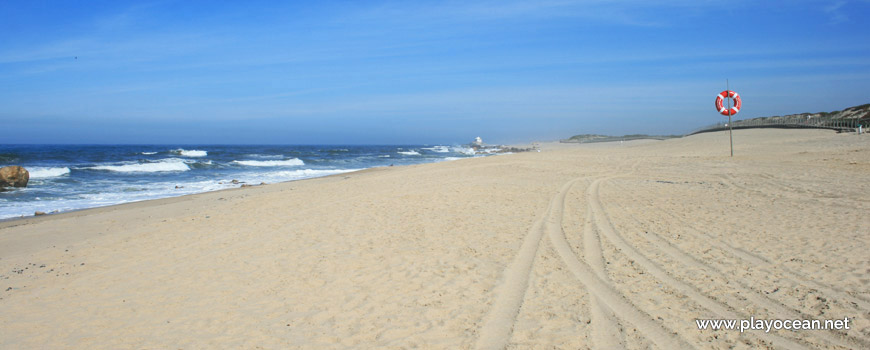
<point>477,142</point>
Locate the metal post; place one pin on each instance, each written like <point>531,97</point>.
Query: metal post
<point>730,124</point>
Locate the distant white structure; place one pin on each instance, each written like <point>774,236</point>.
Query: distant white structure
<point>477,141</point>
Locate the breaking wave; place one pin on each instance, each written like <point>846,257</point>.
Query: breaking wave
<point>189,153</point>
<point>306,173</point>
<point>438,149</point>
<point>170,164</point>
<point>44,172</point>
<point>286,162</point>
<point>464,150</point>
<point>265,156</point>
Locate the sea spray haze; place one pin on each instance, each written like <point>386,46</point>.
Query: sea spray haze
<point>69,177</point>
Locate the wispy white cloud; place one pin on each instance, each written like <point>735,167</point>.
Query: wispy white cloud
<point>835,12</point>
<point>128,16</point>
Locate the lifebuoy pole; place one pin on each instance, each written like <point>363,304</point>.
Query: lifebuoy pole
<point>730,127</point>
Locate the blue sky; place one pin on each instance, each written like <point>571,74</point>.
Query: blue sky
<point>379,72</point>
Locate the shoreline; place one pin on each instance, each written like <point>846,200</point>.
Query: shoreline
<point>32,216</point>
<point>155,203</point>
<point>430,255</point>
<point>3,222</point>
<point>75,177</point>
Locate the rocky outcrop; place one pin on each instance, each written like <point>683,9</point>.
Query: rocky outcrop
<point>14,176</point>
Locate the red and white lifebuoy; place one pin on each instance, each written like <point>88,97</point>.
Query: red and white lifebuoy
<point>720,102</point>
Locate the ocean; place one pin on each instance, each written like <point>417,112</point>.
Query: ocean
<point>70,177</point>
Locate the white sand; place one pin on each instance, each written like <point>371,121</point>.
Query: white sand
<point>579,246</point>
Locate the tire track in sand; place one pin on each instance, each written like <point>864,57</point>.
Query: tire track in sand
<point>603,291</point>
<point>766,266</point>
<point>606,333</point>
<point>499,323</point>
<point>723,310</point>
<point>751,294</point>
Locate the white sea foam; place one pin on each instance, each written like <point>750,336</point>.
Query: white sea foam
<point>189,153</point>
<point>463,150</point>
<point>149,153</point>
<point>409,153</point>
<point>303,174</point>
<point>384,156</point>
<point>265,156</point>
<point>109,195</point>
<point>286,162</point>
<point>171,164</point>
<point>43,172</point>
<point>438,149</point>
<point>125,193</point>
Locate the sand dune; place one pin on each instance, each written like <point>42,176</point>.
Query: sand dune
<point>618,245</point>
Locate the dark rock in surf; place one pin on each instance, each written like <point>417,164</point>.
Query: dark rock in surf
<point>14,176</point>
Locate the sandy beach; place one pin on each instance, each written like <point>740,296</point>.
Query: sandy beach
<point>599,246</point>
